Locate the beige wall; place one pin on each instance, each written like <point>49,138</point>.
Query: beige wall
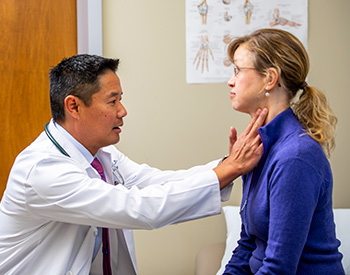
<point>173,125</point>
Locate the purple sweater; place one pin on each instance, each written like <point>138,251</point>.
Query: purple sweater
<point>287,223</point>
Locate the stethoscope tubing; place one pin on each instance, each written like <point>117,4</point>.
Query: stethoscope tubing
<point>115,171</point>
<point>54,141</point>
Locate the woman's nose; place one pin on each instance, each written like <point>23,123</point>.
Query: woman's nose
<point>231,82</point>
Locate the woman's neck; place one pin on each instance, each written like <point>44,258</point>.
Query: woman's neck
<point>277,102</point>
<point>275,112</point>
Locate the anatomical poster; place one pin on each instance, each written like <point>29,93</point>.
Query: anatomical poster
<point>212,24</point>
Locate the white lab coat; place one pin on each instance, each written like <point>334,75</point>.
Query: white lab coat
<point>53,204</point>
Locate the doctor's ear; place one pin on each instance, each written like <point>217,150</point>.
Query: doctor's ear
<point>272,79</point>
<point>72,105</point>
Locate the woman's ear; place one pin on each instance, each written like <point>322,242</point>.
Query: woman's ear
<point>272,79</point>
<point>72,106</point>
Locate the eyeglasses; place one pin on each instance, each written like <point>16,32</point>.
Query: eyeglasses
<point>237,70</point>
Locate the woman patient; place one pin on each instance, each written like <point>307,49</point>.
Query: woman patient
<point>286,210</point>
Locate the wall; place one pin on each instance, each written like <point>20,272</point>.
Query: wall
<point>173,125</point>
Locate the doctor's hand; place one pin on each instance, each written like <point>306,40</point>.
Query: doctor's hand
<point>233,138</point>
<point>245,151</point>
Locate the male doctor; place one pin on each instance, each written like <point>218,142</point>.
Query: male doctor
<point>58,200</point>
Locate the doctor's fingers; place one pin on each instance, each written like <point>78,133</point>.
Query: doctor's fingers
<point>255,123</point>
<point>232,138</point>
<point>246,154</point>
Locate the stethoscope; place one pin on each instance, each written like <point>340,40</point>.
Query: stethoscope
<point>118,178</point>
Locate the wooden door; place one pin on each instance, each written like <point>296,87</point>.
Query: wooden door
<point>35,35</point>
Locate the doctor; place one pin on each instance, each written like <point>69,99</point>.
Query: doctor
<point>58,200</point>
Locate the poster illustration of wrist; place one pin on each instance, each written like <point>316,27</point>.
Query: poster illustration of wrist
<point>212,24</point>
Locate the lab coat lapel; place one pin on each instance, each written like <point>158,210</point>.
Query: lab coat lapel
<point>72,151</point>
<point>106,160</point>
<point>123,262</point>
<point>125,253</point>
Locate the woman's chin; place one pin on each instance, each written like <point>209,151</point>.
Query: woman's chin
<point>237,108</point>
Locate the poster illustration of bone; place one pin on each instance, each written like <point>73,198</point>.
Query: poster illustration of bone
<point>212,24</point>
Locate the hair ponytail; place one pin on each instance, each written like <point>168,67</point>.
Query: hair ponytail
<point>314,113</point>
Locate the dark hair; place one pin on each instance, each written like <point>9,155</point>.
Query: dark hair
<point>78,76</point>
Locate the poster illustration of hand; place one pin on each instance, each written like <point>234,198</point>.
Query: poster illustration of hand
<point>212,24</point>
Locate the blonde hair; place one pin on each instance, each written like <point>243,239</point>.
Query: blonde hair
<point>274,48</point>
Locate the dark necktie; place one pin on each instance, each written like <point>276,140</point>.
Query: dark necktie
<point>107,270</point>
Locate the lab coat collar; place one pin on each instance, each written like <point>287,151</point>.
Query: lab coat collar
<point>72,151</point>
<point>103,154</point>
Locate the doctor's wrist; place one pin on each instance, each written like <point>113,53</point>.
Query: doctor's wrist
<point>222,160</point>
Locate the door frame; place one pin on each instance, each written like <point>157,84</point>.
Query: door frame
<point>89,27</point>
